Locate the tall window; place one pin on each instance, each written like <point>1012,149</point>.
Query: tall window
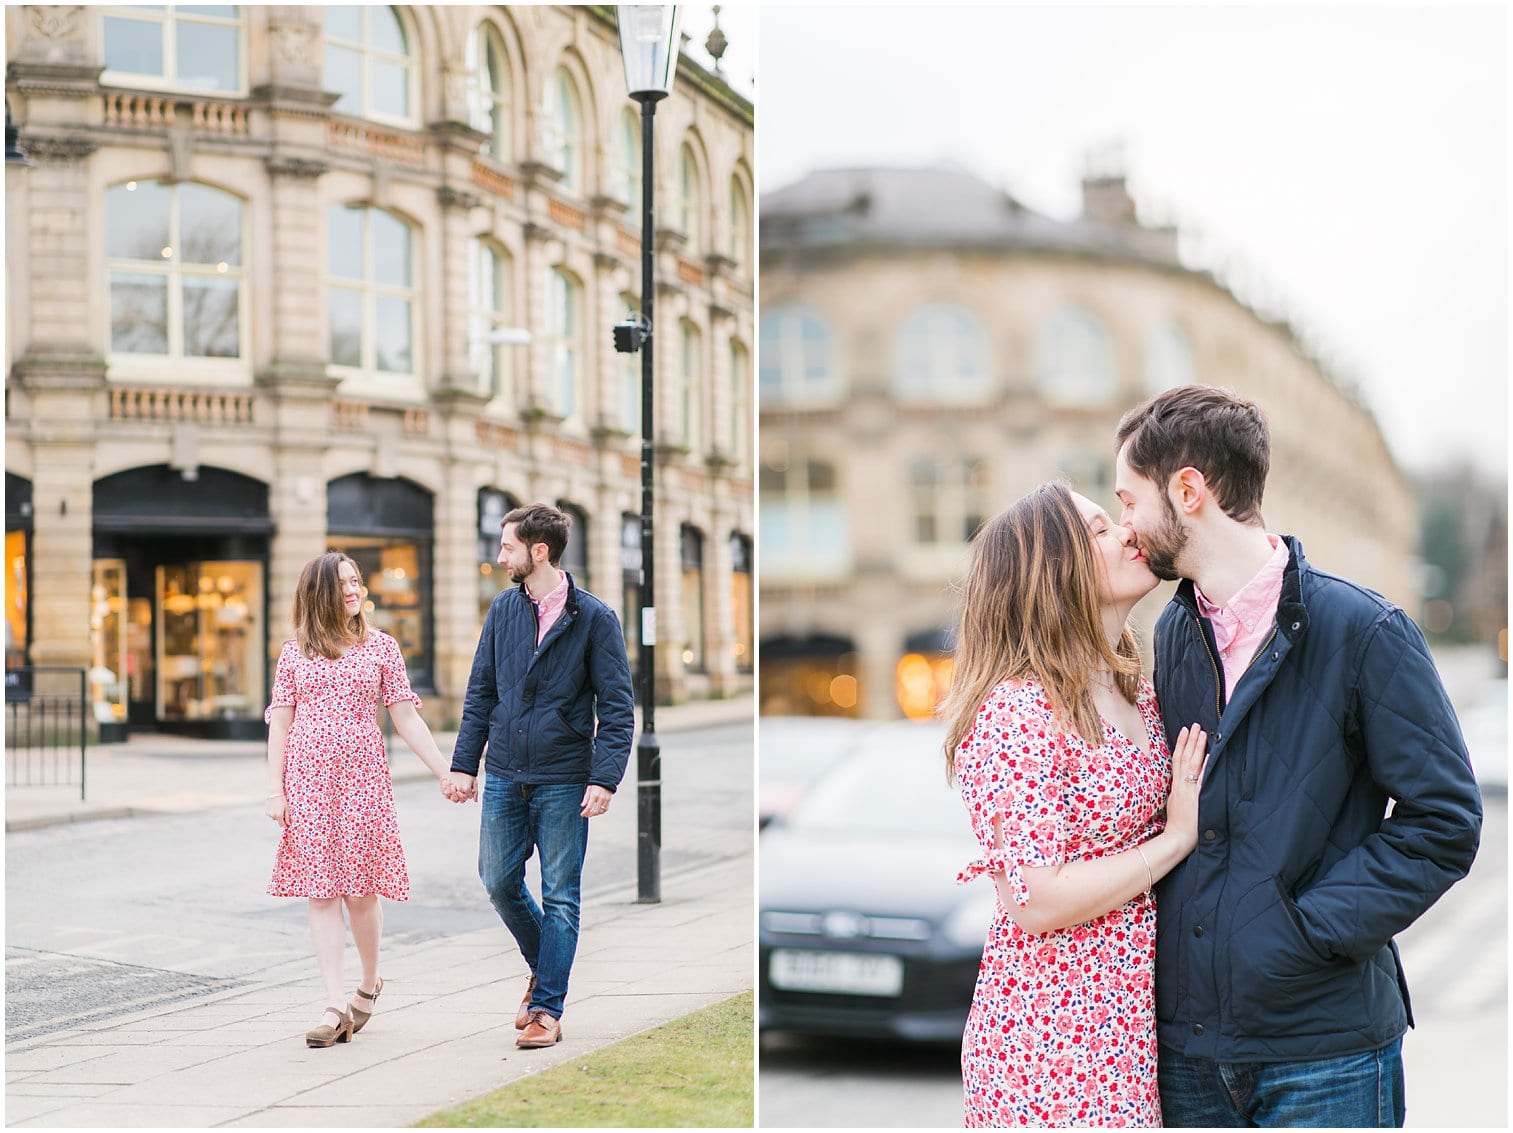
<point>805,529</point>
<point>742,608</point>
<point>630,376</point>
<point>575,554</point>
<point>798,357</point>
<point>368,62</point>
<point>690,199</point>
<point>177,278</point>
<point>691,547</point>
<point>949,499</point>
<point>1076,358</point>
<point>565,327</point>
<point>740,401</point>
<point>690,401</point>
<point>489,299</point>
<point>740,224</point>
<point>490,69</point>
<point>371,296</point>
<point>941,354</point>
<point>493,506</point>
<point>1168,359</point>
<point>630,162</point>
<point>186,46</point>
<point>565,110</point>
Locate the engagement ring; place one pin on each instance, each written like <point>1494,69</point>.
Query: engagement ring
<point>1190,778</point>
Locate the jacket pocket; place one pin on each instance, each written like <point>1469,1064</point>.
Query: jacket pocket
<point>572,729</point>
<point>1279,983</point>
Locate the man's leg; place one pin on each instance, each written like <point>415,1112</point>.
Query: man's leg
<point>1357,1091</point>
<point>562,837</point>
<point>1197,1094</point>
<point>505,838</point>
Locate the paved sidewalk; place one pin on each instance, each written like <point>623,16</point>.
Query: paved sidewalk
<point>445,1030</point>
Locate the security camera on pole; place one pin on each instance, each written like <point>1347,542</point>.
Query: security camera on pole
<point>649,45</point>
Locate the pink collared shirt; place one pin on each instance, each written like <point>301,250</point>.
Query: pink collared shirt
<point>549,609</point>
<point>1242,626</point>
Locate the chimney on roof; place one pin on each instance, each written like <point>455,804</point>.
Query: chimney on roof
<point>1106,199</point>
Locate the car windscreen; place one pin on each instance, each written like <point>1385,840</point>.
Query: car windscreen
<point>886,788</point>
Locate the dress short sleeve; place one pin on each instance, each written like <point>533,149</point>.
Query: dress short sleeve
<point>396,682</point>
<point>1008,768</point>
<point>283,695</point>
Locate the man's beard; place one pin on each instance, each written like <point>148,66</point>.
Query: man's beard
<point>517,575</point>
<point>1162,546</point>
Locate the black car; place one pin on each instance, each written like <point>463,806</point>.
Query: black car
<point>863,928</point>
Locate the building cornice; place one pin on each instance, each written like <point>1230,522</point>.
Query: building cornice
<point>81,80</point>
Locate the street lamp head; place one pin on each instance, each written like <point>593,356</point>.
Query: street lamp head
<point>649,45</point>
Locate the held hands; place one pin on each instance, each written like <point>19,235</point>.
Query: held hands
<point>458,787</point>
<point>278,809</point>
<point>595,801</point>
<point>1189,760</point>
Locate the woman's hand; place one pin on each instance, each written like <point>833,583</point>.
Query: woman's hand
<point>278,809</point>
<point>1189,759</point>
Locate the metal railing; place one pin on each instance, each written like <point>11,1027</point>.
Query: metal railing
<point>46,726</point>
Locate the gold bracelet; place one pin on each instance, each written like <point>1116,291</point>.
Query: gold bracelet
<point>1150,878</point>
<point>277,795</point>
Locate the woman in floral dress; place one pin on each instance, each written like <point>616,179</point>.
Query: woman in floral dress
<point>328,774</point>
<point>1056,743</point>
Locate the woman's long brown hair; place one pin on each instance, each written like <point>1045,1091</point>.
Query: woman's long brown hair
<point>1030,608</point>
<point>321,622</point>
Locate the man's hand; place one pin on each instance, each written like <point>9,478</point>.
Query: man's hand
<point>459,787</point>
<point>595,801</point>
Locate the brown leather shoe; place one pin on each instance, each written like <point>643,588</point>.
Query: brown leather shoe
<point>541,1030</point>
<point>523,1016</point>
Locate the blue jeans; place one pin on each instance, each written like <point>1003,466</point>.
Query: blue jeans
<point>517,819</point>
<point>1355,1091</point>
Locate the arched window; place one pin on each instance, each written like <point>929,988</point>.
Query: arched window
<point>1076,358</point>
<point>1168,359</point>
<point>798,357</point>
<point>493,506</point>
<point>194,47</point>
<point>489,301</point>
<point>629,143</point>
<point>176,270</point>
<point>575,554</point>
<point>371,298</point>
<point>740,224</point>
<point>690,199</point>
<point>949,497</point>
<point>565,329</point>
<point>565,111</point>
<point>740,401</point>
<point>941,354</point>
<point>690,399</point>
<point>368,63</point>
<point>691,547</point>
<point>490,69</point>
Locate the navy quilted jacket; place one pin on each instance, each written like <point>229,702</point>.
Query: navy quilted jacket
<point>1274,937</point>
<point>536,707</point>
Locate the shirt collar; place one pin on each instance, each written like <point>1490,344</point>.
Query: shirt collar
<point>554,599</point>
<point>1257,599</point>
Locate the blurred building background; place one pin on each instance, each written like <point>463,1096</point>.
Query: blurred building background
<point>290,278</point>
<point>931,348</point>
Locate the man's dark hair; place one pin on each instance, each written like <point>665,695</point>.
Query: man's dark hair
<point>1213,430</point>
<point>541,523</point>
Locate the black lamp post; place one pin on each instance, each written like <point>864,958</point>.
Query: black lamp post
<point>649,45</point>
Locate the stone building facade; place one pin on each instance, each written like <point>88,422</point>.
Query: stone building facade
<point>294,277</point>
<point>931,349</point>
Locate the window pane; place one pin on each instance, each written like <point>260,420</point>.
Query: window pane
<point>138,313</point>
<point>344,74</point>
<point>207,56</point>
<point>134,46</point>
<point>391,249</point>
<point>222,11</point>
<point>344,21</point>
<point>392,335</point>
<point>776,528</point>
<point>210,226</point>
<point>137,221</point>
<point>344,241</point>
<point>212,328</point>
<point>385,32</point>
<point>346,327</point>
<point>391,88</point>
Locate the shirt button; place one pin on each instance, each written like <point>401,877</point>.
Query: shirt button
<point>1197,930</point>
<point>1197,1028</point>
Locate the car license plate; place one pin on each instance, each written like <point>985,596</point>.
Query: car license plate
<point>851,973</point>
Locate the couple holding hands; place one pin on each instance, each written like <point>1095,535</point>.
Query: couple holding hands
<point>551,662</point>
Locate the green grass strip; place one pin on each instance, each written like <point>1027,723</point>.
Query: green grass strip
<point>696,1071</point>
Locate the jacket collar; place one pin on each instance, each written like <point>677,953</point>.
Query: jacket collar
<point>1292,612</point>
<point>570,606</point>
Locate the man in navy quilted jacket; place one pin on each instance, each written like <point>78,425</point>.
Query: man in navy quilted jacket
<point>1280,997</point>
<point>550,663</point>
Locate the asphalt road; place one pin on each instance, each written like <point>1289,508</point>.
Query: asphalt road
<point>1456,1059</point>
<point>104,918</point>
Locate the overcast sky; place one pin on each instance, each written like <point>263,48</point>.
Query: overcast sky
<point>1354,157</point>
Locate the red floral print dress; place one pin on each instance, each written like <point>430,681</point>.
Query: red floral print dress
<point>1062,1026</point>
<point>342,838</point>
